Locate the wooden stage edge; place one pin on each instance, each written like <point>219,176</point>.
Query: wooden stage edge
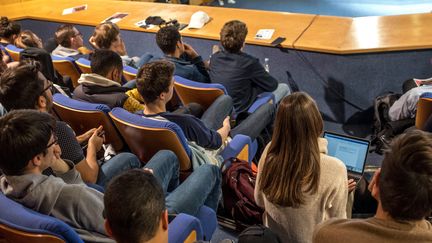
<point>326,34</point>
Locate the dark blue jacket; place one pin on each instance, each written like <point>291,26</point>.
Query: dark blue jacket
<point>243,77</point>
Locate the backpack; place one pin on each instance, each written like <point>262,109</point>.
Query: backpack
<point>258,234</point>
<point>238,184</point>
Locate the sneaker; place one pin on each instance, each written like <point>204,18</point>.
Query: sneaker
<point>231,1</point>
<point>221,2</point>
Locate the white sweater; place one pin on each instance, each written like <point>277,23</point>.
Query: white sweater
<point>297,224</point>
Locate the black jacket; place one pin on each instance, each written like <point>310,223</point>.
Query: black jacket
<point>242,75</point>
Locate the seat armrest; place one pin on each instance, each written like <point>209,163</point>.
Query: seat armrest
<point>266,97</point>
<point>241,146</point>
<point>183,228</point>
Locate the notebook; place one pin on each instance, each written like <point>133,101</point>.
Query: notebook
<point>351,151</point>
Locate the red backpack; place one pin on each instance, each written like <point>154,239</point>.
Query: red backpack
<point>238,193</point>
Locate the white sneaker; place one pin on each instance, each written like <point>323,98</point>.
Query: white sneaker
<point>231,1</point>
<point>221,2</point>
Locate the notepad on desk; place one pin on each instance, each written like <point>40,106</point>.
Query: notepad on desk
<point>264,34</point>
<point>74,9</point>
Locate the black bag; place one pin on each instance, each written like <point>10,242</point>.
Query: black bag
<point>238,186</point>
<point>258,234</point>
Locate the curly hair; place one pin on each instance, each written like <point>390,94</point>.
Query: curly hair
<point>233,36</point>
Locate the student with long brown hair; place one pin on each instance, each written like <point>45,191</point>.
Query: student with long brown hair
<point>298,184</point>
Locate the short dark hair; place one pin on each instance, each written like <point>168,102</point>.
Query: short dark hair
<point>405,183</point>
<point>134,202</point>
<point>105,34</point>
<point>8,28</point>
<point>23,135</point>
<point>103,61</point>
<point>20,87</point>
<point>233,36</point>
<point>63,35</point>
<point>167,38</point>
<point>153,79</point>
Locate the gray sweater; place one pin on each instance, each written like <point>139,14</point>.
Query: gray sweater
<point>65,197</point>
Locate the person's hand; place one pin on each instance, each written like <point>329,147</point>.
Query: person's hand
<point>96,140</point>
<point>188,49</point>
<point>58,165</point>
<point>351,185</point>
<point>148,170</point>
<point>85,136</point>
<point>227,123</point>
<point>373,183</point>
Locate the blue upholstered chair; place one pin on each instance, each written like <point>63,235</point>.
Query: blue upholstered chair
<point>20,224</point>
<point>188,229</point>
<point>14,52</point>
<point>83,116</point>
<point>66,67</point>
<point>424,110</point>
<point>129,73</point>
<point>205,94</point>
<point>146,136</point>
<point>84,65</point>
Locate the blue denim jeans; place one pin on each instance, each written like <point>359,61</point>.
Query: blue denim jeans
<point>202,187</point>
<point>214,116</point>
<point>255,123</point>
<point>281,91</point>
<point>119,163</point>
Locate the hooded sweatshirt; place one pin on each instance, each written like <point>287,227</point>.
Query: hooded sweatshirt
<point>65,197</point>
<point>95,88</point>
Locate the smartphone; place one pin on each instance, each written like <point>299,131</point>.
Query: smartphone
<point>278,41</point>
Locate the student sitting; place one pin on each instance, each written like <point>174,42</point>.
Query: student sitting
<point>25,87</point>
<point>403,189</point>
<point>70,43</point>
<point>155,84</point>
<point>103,85</point>
<point>8,31</point>
<point>107,36</point>
<point>138,198</point>
<point>242,74</point>
<point>298,184</point>
<point>188,63</point>
<point>29,146</point>
<point>26,39</point>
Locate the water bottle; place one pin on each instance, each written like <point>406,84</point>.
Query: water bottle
<point>266,64</point>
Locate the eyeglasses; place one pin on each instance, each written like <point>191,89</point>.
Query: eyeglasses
<point>53,142</point>
<point>49,87</point>
<point>78,34</point>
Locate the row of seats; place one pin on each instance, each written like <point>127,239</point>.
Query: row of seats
<point>67,66</point>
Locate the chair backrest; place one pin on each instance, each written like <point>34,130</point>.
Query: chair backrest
<point>83,116</point>
<point>20,224</point>
<point>202,93</point>
<point>129,73</point>
<point>66,67</point>
<point>145,136</point>
<point>14,52</point>
<point>84,65</point>
<point>424,110</point>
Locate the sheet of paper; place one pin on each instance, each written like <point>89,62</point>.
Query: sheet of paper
<point>115,17</point>
<point>74,9</point>
<point>264,34</point>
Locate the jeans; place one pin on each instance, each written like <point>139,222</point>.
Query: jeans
<point>202,187</point>
<point>255,123</point>
<point>119,163</point>
<point>281,91</point>
<point>214,116</point>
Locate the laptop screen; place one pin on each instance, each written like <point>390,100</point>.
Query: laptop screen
<point>352,151</point>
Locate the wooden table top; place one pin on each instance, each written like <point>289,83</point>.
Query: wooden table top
<point>328,34</point>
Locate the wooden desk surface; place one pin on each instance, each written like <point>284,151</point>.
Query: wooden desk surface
<point>327,34</point>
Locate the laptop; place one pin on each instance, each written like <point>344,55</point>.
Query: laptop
<point>351,151</point>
